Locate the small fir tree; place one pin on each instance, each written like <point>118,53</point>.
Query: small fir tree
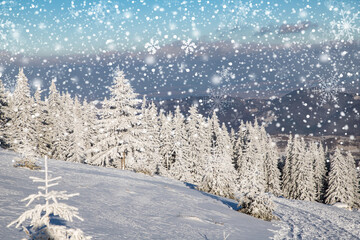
<point>40,227</point>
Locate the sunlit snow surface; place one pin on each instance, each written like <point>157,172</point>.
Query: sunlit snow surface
<point>125,205</point>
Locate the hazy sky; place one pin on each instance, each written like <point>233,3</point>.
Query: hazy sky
<point>70,27</point>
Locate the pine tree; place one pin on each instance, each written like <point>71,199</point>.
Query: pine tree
<point>303,173</point>
<point>4,114</point>
<point>220,173</point>
<point>240,144</point>
<point>41,227</point>
<point>287,175</point>
<point>319,162</point>
<point>76,139</point>
<point>56,129</point>
<point>198,151</point>
<point>20,128</point>
<point>40,115</point>
<point>166,147</point>
<point>89,121</point>
<point>353,175</point>
<point>148,159</point>
<point>251,180</point>
<point>251,167</point>
<point>342,185</point>
<point>118,134</point>
<point>180,167</point>
<point>67,116</point>
<point>272,172</point>
<point>233,138</point>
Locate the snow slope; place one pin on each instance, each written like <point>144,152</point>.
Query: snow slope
<point>311,220</point>
<point>125,205</point>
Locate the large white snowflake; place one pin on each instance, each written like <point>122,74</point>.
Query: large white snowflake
<point>9,82</point>
<point>219,100</point>
<point>328,89</point>
<point>345,28</point>
<point>152,46</point>
<point>188,46</point>
<point>225,74</point>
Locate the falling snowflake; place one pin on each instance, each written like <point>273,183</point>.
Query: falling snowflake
<point>182,67</point>
<point>5,26</point>
<point>152,46</point>
<point>58,72</point>
<point>9,83</point>
<point>225,74</point>
<point>5,7</point>
<point>328,89</point>
<point>345,28</point>
<point>97,12</point>
<point>283,73</point>
<point>236,117</point>
<point>188,46</point>
<point>234,14</point>
<point>74,13</point>
<point>219,100</point>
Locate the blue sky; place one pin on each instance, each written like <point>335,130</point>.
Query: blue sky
<point>72,27</point>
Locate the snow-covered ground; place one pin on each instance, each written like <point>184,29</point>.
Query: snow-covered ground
<point>125,205</point>
<point>311,220</point>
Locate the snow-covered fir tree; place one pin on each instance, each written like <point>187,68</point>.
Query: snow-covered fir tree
<point>76,137</point>
<point>40,113</point>
<point>319,161</point>
<point>4,114</point>
<point>220,174</point>
<point>240,144</point>
<point>89,131</point>
<point>40,227</point>
<point>67,116</point>
<point>251,176</point>
<point>287,174</point>
<point>343,182</point>
<point>166,148</point>
<point>353,175</point>
<point>118,125</point>
<point>55,124</point>
<point>303,173</point>
<point>180,167</point>
<point>20,128</point>
<point>148,158</point>
<point>271,160</point>
<point>250,165</point>
<point>198,150</point>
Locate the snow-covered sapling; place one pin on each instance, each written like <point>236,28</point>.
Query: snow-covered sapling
<point>41,215</point>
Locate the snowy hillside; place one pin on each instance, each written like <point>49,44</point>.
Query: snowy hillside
<point>125,205</point>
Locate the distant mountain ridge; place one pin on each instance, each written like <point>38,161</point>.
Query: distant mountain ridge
<point>298,112</point>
